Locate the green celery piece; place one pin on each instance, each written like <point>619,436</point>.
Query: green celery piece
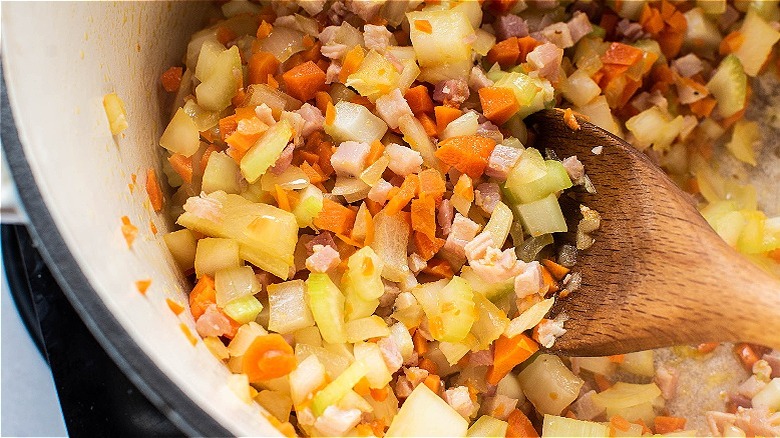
<point>531,93</point>
<point>491,291</point>
<point>338,388</point>
<point>308,207</point>
<point>554,180</point>
<point>729,86</point>
<point>327,306</point>
<point>456,311</point>
<point>487,426</point>
<point>543,216</point>
<point>243,310</point>
<point>266,151</point>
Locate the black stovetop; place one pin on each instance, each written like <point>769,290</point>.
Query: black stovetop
<point>97,399</point>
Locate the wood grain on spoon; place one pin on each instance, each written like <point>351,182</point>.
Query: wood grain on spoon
<point>657,275</point>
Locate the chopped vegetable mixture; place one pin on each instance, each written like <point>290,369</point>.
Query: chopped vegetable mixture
<point>376,244</point>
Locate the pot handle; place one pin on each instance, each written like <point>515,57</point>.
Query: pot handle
<point>11,211</point>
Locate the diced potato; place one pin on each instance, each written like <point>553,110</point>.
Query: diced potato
<point>598,365</point>
<point>239,384</point>
<point>370,355</point>
<point>308,335</point>
<point>441,38</point>
<point>454,351</point>
<point>549,384</point>
<point>289,311</point>
<point>374,77</point>
<point>449,306</point>
<point>220,83</point>
<point>233,283</point>
<point>309,206</point>
<point>276,403</point>
<point>391,236</point>
<point>403,340</point>
<point>414,134</point>
<point>244,337</point>
<point>759,36</point>
<point>426,414</point>
<point>207,58</point>
<point>509,386</point>
<point>352,121</point>
<point>599,113</point>
<point>499,224</point>
<point>182,245</point>
<point>115,111</point>
<point>580,89</point>
<point>769,397</point>
<point>214,254</point>
<point>278,101</point>
<point>306,378</point>
<point>743,141</point>
<point>221,173</point>
<point>266,151</point>
<point>366,328</point>
<point>654,127</point>
<point>334,363</point>
<point>181,136</point>
<point>244,309</point>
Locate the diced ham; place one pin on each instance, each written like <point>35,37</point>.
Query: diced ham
<point>323,259</point>
<point>658,99</point>
<point>487,196</point>
<point>574,167</point>
<point>365,9</point>
<point>350,158</point>
<point>416,263</point>
<point>445,216</point>
<point>391,293</point>
<point>579,26</point>
<point>586,408</point>
<point>213,323</point>
<point>334,50</point>
<point>415,375</point>
<point>337,10</point>
<point>510,25</point>
<point>478,79</point>
<point>312,7</point>
<point>332,74</point>
<point>630,31</point>
<point>265,114</point>
<point>204,207</point>
<point>545,4</point>
<point>297,122</point>
<point>391,354</point>
<point>376,37</point>
<point>498,406</point>
<point>391,107</point>
<point>728,18</point>
<point>756,422</point>
<point>490,263</point>
<point>530,281</point>
<point>451,90</point>
<point>666,378</point>
<point>336,422</point>
<point>312,118</point>
<point>740,400</point>
<point>501,161</point>
<point>403,160</point>
<point>481,358</point>
<point>460,400</point>
<point>750,387</point>
<point>463,231</point>
<point>379,192</point>
<point>549,330</point>
<point>478,247</point>
<point>325,238</point>
<point>284,161</point>
<point>489,130</point>
<point>546,59</point>
<point>558,34</point>
<point>773,359</point>
<point>403,387</point>
<point>688,65</point>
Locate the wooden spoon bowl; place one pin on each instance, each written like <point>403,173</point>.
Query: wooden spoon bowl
<point>657,275</point>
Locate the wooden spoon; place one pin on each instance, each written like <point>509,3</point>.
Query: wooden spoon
<point>657,275</point>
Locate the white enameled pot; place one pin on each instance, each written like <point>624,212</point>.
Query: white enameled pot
<point>59,60</point>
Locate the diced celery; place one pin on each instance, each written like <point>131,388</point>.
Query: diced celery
<point>543,216</point>
<point>366,328</point>
<point>499,224</point>
<point>768,398</point>
<point>288,309</point>
<point>743,141</point>
<point>729,86</point>
<point>234,283</point>
<point>414,134</point>
<point>331,394</point>
<point>639,363</point>
<point>630,401</point>
<point>214,254</point>
<point>309,206</point>
<point>553,180</point>
<point>221,173</point>
<point>487,426</point>
<point>555,426</point>
<point>352,121</point>
<point>490,323</point>
<point>370,355</point>
<point>530,167</point>
<point>266,151</point>
<point>492,291</point>
<point>654,127</point>
<point>327,305</point>
<point>220,83</point>
<point>450,309</point>
<point>364,274</point>
<point>549,385</point>
<point>403,340</point>
<point>425,414</point>
<point>533,94</point>
<point>391,237</point>
<point>374,77</point>
<point>244,309</point>
<point>759,38</point>
<point>182,245</point>
<point>580,89</point>
<point>181,136</point>
<point>435,48</point>
<point>528,319</point>
<point>454,351</point>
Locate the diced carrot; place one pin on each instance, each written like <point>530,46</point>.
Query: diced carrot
<point>423,26</point>
<point>506,53</point>
<point>619,423</point>
<point>376,151</point>
<point>549,280</point>
<point>419,100</point>
<point>227,126</point>
<point>175,307</point>
<point>433,382</point>
<point>362,100</point>
<point>325,151</point>
<point>428,365</point>
<point>129,231</point>
<point>225,34</point>
<point>352,61</point>
<point>468,153</point>
<point>677,22</point>
<point>202,296</point>
<point>264,30</point>
<point>380,394</point>
<point>747,355</point>
<point>420,343</point>
<point>241,143</point>
<point>304,81</point>
<point>362,387</point>
<point>322,99</point>
<point>427,247</point>
<point>498,104</point>
<point>557,271</point>
<point>268,357</point>
<point>508,353</point>
<point>438,268</point>
<point>520,426</point>
<point>703,107</point>
<point>188,333</point>
<point>335,217</point>
<point>143,285</point>
<point>153,190</point>
<point>373,207</point>
<point>707,347</point>
<point>617,358</point>
<point>671,42</point>
<point>622,54</point>
<point>153,228</point>
<point>526,45</point>
<point>668,424</point>
<point>171,79</point>
<point>349,241</point>
<point>645,429</point>
<point>444,115</point>
<point>282,201</point>
<point>601,382</point>
<point>774,255</point>
<point>273,82</point>
<point>424,216</point>
<point>651,20</point>
<point>464,188</point>
<point>260,65</point>
<point>731,42</point>
<point>432,184</point>
<point>314,176</point>
<point>428,124</point>
<point>408,190</point>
